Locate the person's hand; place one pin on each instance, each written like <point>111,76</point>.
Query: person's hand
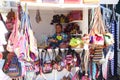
<point>53,40</point>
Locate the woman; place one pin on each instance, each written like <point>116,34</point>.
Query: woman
<point>59,38</point>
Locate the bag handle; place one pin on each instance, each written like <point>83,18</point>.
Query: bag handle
<point>98,24</point>
<point>47,54</point>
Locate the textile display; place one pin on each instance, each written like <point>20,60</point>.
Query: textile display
<point>22,40</point>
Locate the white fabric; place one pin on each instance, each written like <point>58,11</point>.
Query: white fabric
<point>1,49</point>
<point>105,64</point>
<point>3,40</point>
<point>86,46</point>
<point>2,63</point>
<point>3,76</point>
<point>3,29</point>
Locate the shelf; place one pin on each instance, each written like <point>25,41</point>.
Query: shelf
<point>53,6</point>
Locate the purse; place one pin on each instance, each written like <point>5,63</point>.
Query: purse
<point>69,59</point>
<point>8,62</point>
<point>30,71</point>
<point>59,60</point>
<point>12,67</point>
<point>47,64</point>
<point>98,29</point>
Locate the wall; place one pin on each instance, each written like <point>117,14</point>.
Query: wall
<point>45,28</point>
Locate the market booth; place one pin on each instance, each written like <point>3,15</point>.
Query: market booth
<point>84,55</point>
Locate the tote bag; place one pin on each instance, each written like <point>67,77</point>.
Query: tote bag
<point>98,29</point>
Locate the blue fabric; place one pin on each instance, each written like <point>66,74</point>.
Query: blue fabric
<point>64,38</point>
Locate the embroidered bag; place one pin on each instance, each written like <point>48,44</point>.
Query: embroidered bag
<point>47,63</point>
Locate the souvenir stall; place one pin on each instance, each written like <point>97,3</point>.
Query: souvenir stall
<point>80,49</point>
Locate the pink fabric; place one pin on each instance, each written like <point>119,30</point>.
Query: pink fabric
<point>13,39</point>
<point>85,78</point>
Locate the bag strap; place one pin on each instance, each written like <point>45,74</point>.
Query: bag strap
<point>98,24</point>
<point>59,52</point>
<point>54,54</point>
<point>47,54</point>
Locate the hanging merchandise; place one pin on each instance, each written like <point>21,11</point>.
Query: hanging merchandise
<point>12,66</point>
<point>59,60</point>
<point>10,20</point>
<point>22,41</point>
<point>30,73</point>
<point>97,36</point>
<point>97,31</point>
<point>38,17</point>
<point>47,63</point>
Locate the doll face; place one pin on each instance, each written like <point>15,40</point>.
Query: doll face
<point>58,29</point>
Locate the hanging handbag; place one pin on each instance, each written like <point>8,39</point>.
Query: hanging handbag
<point>98,29</point>
<point>59,60</point>
<point>8,62</point>
<point>30,71</point>
<point>47,64</point>
<point>58,57</point>
<point>12,67</point>
<point>69,59</point>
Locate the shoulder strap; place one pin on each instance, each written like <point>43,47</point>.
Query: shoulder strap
<point>47,54</point>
